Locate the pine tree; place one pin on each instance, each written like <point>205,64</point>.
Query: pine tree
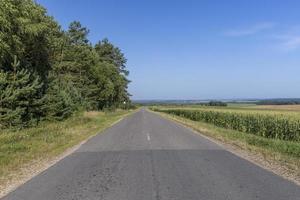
<point>20,97</point>
<point>61,99</point>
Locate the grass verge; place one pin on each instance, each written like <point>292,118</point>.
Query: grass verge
<point>281,157</point>
<point>26,151</point>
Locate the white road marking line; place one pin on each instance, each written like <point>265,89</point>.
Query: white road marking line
<point>148,137</point>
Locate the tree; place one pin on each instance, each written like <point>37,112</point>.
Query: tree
<point>27,32</point>
<point>78,34</point>
<point>61,99</point>
<point>76,59</point>
<point>102,85</point>
<point>48,73</point>
<point>20,97</point>
<point>109,54</point>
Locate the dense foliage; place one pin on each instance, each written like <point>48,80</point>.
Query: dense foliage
<point>212,103</point>
<point>48,73</point>
<point>269,126</point>
<point>216,103</point>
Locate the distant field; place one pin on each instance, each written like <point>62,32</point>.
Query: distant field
<point>278,107</point>
<point>239,107</point>
<point>242,105</point>
<point>249,106</point>
<point>289,111</point>
<point>265,107</point>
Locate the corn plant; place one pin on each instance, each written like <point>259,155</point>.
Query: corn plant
<point>265,125</point>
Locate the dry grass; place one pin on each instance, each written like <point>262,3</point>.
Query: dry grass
<point>92,114</point>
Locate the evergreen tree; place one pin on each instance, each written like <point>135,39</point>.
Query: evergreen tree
<point>27,32</point>
<point>61,99</point>
<point>20,97</point>
<point>111,54</point>
<point>78,34</point>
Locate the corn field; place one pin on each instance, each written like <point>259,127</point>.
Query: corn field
<point>269,126</point>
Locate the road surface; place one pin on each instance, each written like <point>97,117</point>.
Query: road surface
<point>146,157</point>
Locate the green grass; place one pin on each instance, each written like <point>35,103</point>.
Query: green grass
<point>284,153</point>
<point>28,146</point>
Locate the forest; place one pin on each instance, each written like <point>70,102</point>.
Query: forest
<point>47,73</point>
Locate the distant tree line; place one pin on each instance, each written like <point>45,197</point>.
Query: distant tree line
<point>291,101</point>
<point>167,103</point>
<point>213,103</point>
<point>216,103</point>
<point>49,73</point>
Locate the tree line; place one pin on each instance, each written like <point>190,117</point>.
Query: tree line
<point>282,101</point>
<point>47,73</point>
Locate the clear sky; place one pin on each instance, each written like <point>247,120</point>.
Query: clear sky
<point>197,49</point>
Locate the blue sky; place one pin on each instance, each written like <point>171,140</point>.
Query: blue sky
<point>197,49</point>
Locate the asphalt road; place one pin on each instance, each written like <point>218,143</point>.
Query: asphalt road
<point>146,157</point>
